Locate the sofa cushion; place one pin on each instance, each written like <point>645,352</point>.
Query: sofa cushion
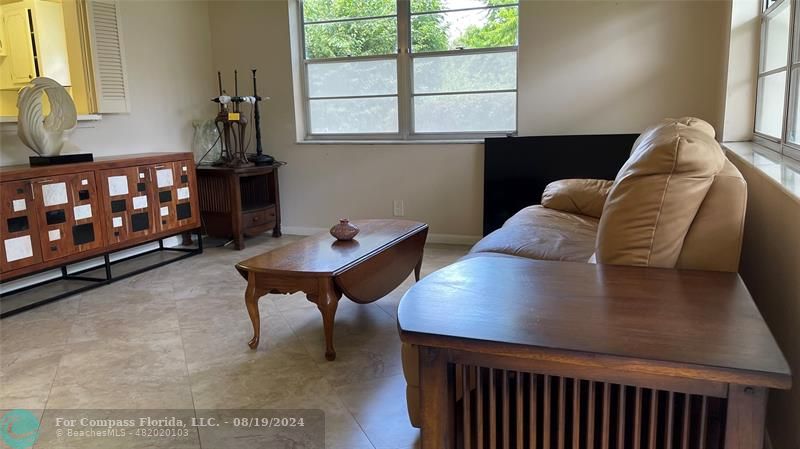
<point>541,233</point>
<point>684,122</point>
<point>657,194</point>
<point>578,196</point>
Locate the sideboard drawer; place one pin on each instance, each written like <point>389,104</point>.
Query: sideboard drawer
<point>258,221</point>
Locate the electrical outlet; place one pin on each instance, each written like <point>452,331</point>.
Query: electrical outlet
<point>399,208</point>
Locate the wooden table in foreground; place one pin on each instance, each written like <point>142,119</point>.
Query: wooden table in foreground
<point>364,269</point>
<point>518,353</point>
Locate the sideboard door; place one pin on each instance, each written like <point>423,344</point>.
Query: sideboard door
<point>19,230</point>
<point>68,214</point>
<point>175,195</point>
<point>129,203</point>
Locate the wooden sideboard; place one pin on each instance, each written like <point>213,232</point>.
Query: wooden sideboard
<point>520,353</point>
<point>56,215</point>
<point>241,201</point>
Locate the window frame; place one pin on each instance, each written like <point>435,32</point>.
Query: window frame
<point>404,57</point>
<point>780,144</point>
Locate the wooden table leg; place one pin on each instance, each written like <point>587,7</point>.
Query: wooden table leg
<point>327,300</point>
<point>236,211</point>
<point>747,407</point>
<point>276,231</point>
<point>251,297</point>
<point>186,239</point>
<point>417,269</point>
<point>437,400</point>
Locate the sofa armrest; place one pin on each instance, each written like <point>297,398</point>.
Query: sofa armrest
<point>577,196</point>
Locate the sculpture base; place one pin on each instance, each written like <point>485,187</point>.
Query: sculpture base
<point>36,161</point>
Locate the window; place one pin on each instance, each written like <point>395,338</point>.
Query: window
<point>409,69</point>
<point>777,121</point>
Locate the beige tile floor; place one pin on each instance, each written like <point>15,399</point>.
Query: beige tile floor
<point>176,337</point>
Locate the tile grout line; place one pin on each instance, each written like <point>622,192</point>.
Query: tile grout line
<point>325,379</point>
<point>61,358</point>
<point>186,365</point>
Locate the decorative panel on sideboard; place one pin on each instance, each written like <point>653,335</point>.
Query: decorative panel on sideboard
<point>20,228</point>
<point>175,195</point>
<point>127,192</point>
<point>56,215</point>
<point>67,211</point>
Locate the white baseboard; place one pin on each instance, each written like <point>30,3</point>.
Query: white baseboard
<point>301,230</point>
<point>447,239</point>
<point>454,239</point>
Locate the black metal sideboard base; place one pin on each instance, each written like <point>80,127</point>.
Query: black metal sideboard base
<point>26,298</point>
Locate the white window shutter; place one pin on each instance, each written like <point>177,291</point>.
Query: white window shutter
<point>108,56</point>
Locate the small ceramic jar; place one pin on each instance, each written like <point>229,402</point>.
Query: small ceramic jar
<point>344,230</point>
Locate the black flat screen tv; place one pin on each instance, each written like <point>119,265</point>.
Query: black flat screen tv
<point>517,169</point>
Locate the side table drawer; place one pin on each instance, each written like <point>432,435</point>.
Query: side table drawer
<point>258,221</point>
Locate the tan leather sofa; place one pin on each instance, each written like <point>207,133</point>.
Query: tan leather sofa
<point>677,203</point>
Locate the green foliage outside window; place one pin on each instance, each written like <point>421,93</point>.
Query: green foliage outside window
<point>430,32</point>
<point>499,31</point>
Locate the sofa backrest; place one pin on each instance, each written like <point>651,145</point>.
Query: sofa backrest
<point>676,203</point>
<point>714,241</point>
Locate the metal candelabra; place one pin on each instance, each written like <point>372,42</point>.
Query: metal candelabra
<point>259,158</point>
<point>232,124</point>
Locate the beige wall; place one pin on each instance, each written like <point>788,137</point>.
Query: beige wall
<point>170,78</point>
<point>584,67</point>
<point>743,51</point>
<point>599,67</point>
<point>770,261</point>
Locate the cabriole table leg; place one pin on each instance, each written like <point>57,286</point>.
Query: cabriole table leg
<point>251,297</point>
<point>327,301</point>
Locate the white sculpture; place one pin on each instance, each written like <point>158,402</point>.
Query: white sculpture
<point>45,135</point>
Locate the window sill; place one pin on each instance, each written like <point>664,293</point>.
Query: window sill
<point>392,142</point>
<point>781,169</point>
<point>81,118</point>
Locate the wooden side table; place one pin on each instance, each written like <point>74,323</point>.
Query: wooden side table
<point>239,202</point>
<point>520,353</point>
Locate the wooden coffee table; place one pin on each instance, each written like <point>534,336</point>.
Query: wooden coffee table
<point>365,269</point>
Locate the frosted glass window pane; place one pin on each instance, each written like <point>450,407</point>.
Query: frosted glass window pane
<point>356,115</point>
<point>355,78</point>
<point>769,107</point>
<point>776,45</point>
<point>317,10</point>
<point>465,112</point>
<point>479,28</point>
<point>339,39</point>
<point>490,71</point>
